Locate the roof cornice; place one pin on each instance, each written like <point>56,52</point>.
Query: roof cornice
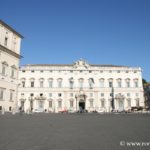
<point>11,29</point>
<point>4,49</point>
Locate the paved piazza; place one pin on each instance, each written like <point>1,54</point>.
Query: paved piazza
<point>74,131</point>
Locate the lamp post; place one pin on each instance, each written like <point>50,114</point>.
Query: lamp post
<point>112,101</point>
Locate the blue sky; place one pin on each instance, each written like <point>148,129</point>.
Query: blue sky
<point>99,31</point>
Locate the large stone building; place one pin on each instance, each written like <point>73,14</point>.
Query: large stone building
<point>10,41</point>
<point>61,87</point>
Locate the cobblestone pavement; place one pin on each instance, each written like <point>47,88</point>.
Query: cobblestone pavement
<point>74,131</point>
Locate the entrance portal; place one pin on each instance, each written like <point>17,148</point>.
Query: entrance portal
<point>82,105</point>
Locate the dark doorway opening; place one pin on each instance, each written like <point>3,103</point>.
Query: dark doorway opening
<point>82,105</point>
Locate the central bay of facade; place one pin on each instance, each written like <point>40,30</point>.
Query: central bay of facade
<point>56,88</point>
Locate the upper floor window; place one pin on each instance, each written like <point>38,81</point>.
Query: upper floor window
<point>91,82</point>
<point>127,83</point>
<point>119,85</point>
<point>4,67</point>
<point>110,82</point>
<point>91,94</point>
<point>6,41</point>
<point>81,83</point>
<point>59,83</point>
<point>71,82</point>
<point>59,94</point>
<point>102,83</point>
<point>23,83</point>
<point>50,94</point>
<point>50,81</point>
<point>41,82</point>
<point>13,71</point>
<point>102,94</point>
<point>136,83</point>
<point>71,94</point>
<point>128,94</point>
<point>32,82</point>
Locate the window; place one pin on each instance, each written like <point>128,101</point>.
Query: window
<point>71,103</point>
<point>91,94</point>
<point>137,94</point>
<point>11,95</point>
<point>32,83</point>
<point>31,94</point>
<point>41,94</point>
<point>59,104</point>
<point>12,72</point>
<point>136,83</point>
<point>23,71</point>
<point>102,103</point>
<point>118,71</point>
<point>22,94</point>
<point>50,83</point>
<point>71,94</point>
<point>4,67</point>
<point>110,82</point>
<point>32,71</point>
<point>127,83</point>
<point>1,94</point>
<point>101,83</point>
<point>6,41</point>
<point>129,102</point>
<point>50,104</point>
<point>71,82</point>
<point>41,83</point>
<point>119,83</point>
<point>137,102</point>
<point>81,83</point>
<point>90,71</point>
<point>91,103</point>
<point>128,94</point>
<point>23,83</point>
<point>50,94</point>
<point>59,83</point>
<point>41,71</point>
<point>102,94</point>
<point>91,82</point>
<point>59,94</point>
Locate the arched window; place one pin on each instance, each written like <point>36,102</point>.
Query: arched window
<point>127,82</point>
<point>71,82</point>
<point>59,81</point>
<point>32,80</point>
<point>119,83</point>
<point>91,82</point>
<point>4,68</point>
<point>41,80</point>
<point>101,82</point>
<point>50,81</point>
<point>23,81</point>
<point>81,80</point>
<point>13,71</point>
<point>135,83</point>
<point>110,82</point>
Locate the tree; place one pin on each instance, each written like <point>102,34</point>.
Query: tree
<point>144,81</point>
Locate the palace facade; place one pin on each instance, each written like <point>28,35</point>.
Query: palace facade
<point>10,42</point>
<point>55,88</point>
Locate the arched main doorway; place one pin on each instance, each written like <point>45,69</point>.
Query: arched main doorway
<point>82,105</point>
